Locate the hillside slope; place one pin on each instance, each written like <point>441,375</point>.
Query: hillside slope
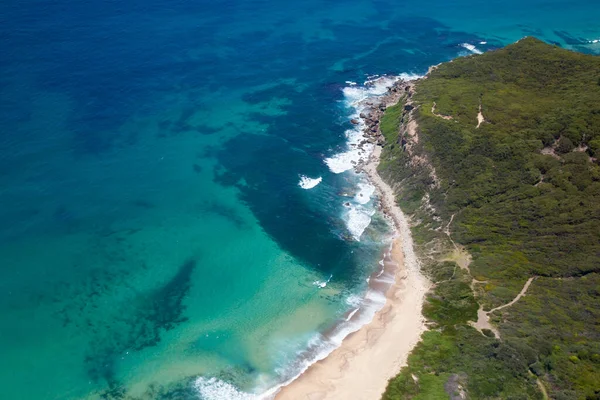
<point>496,157</point>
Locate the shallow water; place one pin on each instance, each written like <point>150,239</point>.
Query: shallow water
<point>154,227</point>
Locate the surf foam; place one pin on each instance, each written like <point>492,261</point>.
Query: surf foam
<point>354,98</point>
<point>215,389</point>
<point>322,284</point>
<point>308,183</point>
<point>357,216</point>
<point>365,192</point>
<point>471,48</point>
<point>358,220</point>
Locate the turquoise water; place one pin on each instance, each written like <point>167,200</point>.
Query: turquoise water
<point>153,227</point>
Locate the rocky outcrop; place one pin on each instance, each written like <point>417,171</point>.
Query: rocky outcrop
<point>375,108</point>
<point>373,112</point>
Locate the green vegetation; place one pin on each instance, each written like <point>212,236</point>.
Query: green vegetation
<point>390,121</point>
<point>523,194</point>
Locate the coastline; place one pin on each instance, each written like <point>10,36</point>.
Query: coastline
<point>362,365</point>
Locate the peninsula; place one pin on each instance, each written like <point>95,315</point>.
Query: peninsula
<point>494,158</point>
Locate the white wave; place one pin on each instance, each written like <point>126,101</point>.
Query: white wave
<point>365,192</point>
<point>354,300</point>
<point>355,97</point>
<point>322,284</point>
<point>385,278</point>
<point>471,48</point>
<point>410,76</point>
<point>372,87</point>
<point>351,83</point>
<point>308,183</point>
<point>482,42</point>
<point>320,345</point>
<point>382,270</point>
<point>375,297</point>
<point>374,301</point>
<point>358,219</point>
<point>346,160</point>
<point>215,389</point>
<point>351,314</point>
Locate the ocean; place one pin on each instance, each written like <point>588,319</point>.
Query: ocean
<point>179,213</point>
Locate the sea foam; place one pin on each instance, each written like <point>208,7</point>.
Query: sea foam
<point>354,98</point>
<point>365,192</point>
<point>359,211</point>
<point>322,284</point>
<point>358,220</point>
<point>215,389</point>
<point>308,183</point>
<point>322,344</point>
<point>471,48</point>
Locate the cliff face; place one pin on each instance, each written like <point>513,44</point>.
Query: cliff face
<point>496,158</point>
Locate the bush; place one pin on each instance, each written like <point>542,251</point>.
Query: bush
<point>564,145</point>
<point>519,212</point>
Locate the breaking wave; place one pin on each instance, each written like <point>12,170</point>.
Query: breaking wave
<point>472,48</point>
<point>308,183</point>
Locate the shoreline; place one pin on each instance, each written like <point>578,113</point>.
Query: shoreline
<point>367,358</point>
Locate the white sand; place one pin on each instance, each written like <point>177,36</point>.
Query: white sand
<point>361,367</point>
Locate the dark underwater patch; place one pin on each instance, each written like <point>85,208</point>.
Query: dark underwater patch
<point>137,326</point>
<point>299,230</point>
<point>570,39</point>
<point>224,211</point>
<point>182,390</point>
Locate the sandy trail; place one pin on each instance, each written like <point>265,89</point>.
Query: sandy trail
<point>513,301</point>
<point>483,317</point>
<point>480,118</point>
<point>361,367</point>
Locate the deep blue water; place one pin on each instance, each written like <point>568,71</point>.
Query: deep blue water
<point>152,227</point>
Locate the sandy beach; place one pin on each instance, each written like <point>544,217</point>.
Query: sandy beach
<point>361,367</point>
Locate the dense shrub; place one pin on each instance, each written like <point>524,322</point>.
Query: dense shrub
<point>520,211</point>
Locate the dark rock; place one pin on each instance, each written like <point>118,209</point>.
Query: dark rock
<point>408,107</point>
<point>354,121</point>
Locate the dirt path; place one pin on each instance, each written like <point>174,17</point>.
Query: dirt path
<point>480,118</point>
<point>483,317</point>
<point>439,115</point>
<point>521,293</point>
